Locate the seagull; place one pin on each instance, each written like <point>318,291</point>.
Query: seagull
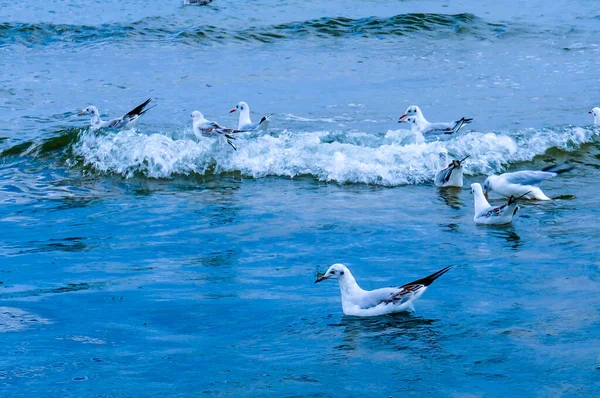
<point>359,302</point>
<point>596,112</point>
<point>418,126</point>
<point>493,215</point>
<point>127,121</point>
<point>523,183</point>
<point>203,127</point>
<point>245,123</point>
<point>426,127</point>
<point>451,176</point>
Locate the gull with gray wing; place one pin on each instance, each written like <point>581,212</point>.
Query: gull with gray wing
<point>127,121</point>
<point>359,302</point>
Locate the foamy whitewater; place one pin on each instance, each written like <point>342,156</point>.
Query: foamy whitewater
<point>396,158</point>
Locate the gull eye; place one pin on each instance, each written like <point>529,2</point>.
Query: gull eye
<point>332,272</point>
<point>341,272</point>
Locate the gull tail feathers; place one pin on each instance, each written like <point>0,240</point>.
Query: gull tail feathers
<point>428,280</point>
<point>559,168</point>
<point>513,198</point>
<point>138,110</point>
<point>459,124</point>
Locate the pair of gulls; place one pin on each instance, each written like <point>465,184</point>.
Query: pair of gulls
<point>514,186</point>
<point>200,125</point>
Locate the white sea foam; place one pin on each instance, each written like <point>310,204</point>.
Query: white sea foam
<point>395,158</point>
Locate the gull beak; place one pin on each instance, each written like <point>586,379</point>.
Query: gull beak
<point>590,112</point>
<point>81,112</point>
<point>402,117</point>
<point>233,110</point>
<point>485,193</point>
<point>320,279</point>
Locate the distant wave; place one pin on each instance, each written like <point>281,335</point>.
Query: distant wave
<point>397,158</point>
<point>162,29</point>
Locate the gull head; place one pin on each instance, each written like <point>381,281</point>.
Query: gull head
<point>241,106</point>
<point>458,163</point>
<point>487,185</point>
<point>90,110</point>
<point>412,110</point>
<point>197,116</point>
<point>336,271</point>
<point>596,113</point>
<point>410,120</point>
<point>476,188</point>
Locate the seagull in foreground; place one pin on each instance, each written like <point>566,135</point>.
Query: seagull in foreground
<point>127,121</point>
<point>596,112</point>
<point>425,127</point>
<point>359,302</point>
<point>418,127</point>
<point>451,176</point>
<point>203,127</point>
<point>523,183</point>
<point>493,215</point>
<point>245,123</point>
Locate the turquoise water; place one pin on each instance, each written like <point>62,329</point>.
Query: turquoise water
<point>148,263</point>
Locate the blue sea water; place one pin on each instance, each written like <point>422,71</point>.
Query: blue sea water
<point>148,263</point>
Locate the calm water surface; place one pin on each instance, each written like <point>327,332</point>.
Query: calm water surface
<point>148,263</point>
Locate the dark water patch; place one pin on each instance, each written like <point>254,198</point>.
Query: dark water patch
<point>164,30</point>
<point>68,288</point>
<point>59,141</point>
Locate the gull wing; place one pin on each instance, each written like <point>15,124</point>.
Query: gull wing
<point>527,177</point>
<point>444,175</point>
<point>116,123</point>
<point>405,292</point>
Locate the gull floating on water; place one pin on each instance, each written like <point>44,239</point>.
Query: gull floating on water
<point>425,127</point>
<point>596,112</point>
<point>492,215</point>
<point>127,121</point>
<point>418,127</point>
<point>359,302</point>
<point>206,128</point>
<point>523,183</point>
<point>245,123</point>
<point>451,176</point>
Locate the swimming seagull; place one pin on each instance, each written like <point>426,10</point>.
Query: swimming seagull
<point>451,176</point>
<point>126,121</point>
<point>596,112</point>
<point>245,123</point>
<point>493,215</point>
<point>523,183</point>
<point>359,302</point>
<point>417,126</point>
<point>203,127</point>
<point>426,127</point>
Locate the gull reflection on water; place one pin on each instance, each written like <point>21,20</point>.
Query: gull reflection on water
<point>398,332</point>
<point>451,196</point>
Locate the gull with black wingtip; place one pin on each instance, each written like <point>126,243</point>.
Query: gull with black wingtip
<point>359,302</point>
<point>245,123</point>
<point>523,183</point>
<point>451,176</point>
<point>205,128</point>
<point>127,121</point>
<point>493,215</point>
<point>424,126</point>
